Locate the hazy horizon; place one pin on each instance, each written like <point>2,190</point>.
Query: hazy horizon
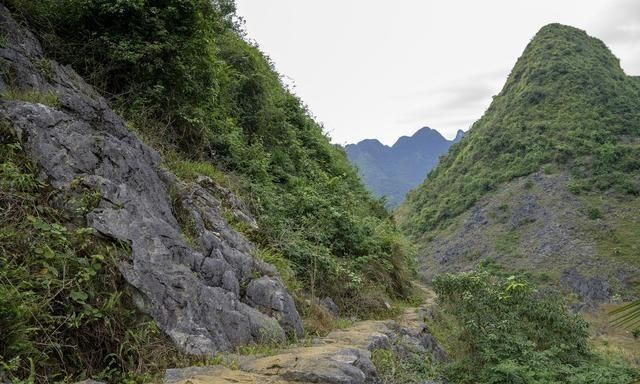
<point>400,67</point>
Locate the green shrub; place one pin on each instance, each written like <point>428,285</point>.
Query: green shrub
<point>512,333</point>
<point>595,213</point>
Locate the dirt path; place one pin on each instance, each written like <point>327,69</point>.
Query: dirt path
<point>341,357</point>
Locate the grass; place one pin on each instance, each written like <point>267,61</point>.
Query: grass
<point>442,326</point>
<point>45,67</point>
<point>392,368</point>
<point>258,349</point>
<point>46,98</point>
<point>284,266</point>
<point>184,218</point>
<point>621,242</point>
<point>507,243</point>
<point>317,320</point>
<point>615,233</point>
<point>190,170</point>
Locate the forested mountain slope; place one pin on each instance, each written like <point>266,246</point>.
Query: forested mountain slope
<point>226,111</point>
<point>394,171</point>
<point>547,181</point>
<point>234,178</point>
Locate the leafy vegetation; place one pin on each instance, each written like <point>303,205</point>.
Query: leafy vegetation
<point>410,369</point>
<point>183,75</point>
<point>505,331</point>
<point>567,104</point>
<point>65,310</point>
<point>628,315</point>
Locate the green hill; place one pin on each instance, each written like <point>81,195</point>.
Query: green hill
<point>548,179</point>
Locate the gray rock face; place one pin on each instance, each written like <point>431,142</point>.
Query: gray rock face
<point>193,292</point>
<point>415,341</point>
<point>591,289</point>
<point>536,224</point>
<point>270,296</point>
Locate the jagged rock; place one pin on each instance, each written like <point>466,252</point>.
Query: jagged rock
<point>269,295</point>
<point>192,292</point>
<point>417,340</point>
<point>330,306</point>
<point>591,290</point>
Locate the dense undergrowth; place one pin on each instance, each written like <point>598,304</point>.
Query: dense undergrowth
<point>184,76</point>
<point>65,310</point>
<point>567,104</point>
<point>502,330</point>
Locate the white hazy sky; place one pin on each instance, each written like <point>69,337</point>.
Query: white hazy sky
<point>383,69</point>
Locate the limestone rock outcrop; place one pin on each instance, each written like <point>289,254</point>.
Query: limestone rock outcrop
<point>208,295</point>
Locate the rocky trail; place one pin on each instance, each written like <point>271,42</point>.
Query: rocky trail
<point>341,357</point>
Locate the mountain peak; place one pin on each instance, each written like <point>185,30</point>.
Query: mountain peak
<point>424,131</point>
<point>557,146</point>
<point>422,136</point>
<point>563,58</point>
<point>564,98</point>
<point>393,171</point>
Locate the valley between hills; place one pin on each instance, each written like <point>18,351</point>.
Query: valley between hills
<point>171,212</point>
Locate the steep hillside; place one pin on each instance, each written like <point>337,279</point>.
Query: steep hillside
<point>183,76</point>
<point>394,171</point>
<point>548,179</point>
<point>180,199</point>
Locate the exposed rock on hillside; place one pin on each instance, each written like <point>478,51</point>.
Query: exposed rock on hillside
<point>536,224</point>
<point>207,295</point>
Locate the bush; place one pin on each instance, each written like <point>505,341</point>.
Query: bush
<point>511,333</point>
<point>595,213</point>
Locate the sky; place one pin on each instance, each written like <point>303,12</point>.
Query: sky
<point>383,69</point>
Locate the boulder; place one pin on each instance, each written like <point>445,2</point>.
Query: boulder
<point>330,306</point>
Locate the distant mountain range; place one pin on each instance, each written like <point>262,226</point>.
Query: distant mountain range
<point>394,171</point>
